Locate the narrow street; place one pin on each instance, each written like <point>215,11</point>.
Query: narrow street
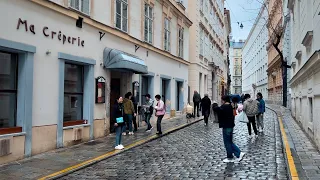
<point>196,152</point>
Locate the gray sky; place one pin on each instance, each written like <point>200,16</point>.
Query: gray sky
<point>245,12</point>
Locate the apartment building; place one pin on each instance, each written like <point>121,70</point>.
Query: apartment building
<point>255,57</point>
<point>208,61</point>
<point>305,71</point>
<point>64,62</point>
<point>236,66</point>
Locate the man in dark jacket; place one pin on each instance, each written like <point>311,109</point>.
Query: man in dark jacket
<point>205,106</point>
<point>262,110</point>
<point>226,122</point>
<point>196,102</point>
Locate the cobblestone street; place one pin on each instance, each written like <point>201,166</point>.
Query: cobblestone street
<point>196,152</point>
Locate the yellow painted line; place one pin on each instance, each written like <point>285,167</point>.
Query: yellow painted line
<point>292,166</point>
<point>111,153</point>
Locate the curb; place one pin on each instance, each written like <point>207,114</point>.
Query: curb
<point>112,153</point>
<point>285,149</point>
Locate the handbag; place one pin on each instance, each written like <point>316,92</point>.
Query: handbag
<point>119,120</point>
<point>242,117</point>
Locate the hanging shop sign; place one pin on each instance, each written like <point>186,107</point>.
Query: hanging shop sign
<point>47,32</point>
<point>100,89</point>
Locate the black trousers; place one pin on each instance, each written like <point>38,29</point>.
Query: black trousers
<point>252,121</point>
<point>196,109</point>
<point>134,120</point>
<point>159,119</point>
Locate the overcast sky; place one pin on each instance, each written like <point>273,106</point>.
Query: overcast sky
<point>245,12</point>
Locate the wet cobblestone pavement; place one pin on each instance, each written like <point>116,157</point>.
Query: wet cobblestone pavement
<point>196,152</point>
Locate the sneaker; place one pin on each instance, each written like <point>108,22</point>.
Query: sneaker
<point>123,134</point>
<point>151,128</point>
<point>227,160</point>
<point>256,136</point>
<point>250,136</point>
<point>117,147</point>
<point>121,146</point>
<point>159,133</point>
<point>131,133</point>
<point>240,157</point>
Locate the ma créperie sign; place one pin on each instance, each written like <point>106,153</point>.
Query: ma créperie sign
<point>50,33</point>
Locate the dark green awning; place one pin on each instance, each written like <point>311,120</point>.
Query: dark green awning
<point>121,61</point>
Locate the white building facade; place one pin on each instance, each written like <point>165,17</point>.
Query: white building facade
<point>208,60</point>
<point>255,58</point>
<point>305,62</point>
<point>64,63</point>
<point>236,66</point>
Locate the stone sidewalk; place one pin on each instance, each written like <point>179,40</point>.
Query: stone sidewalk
<point>305,154</point>
<point>50,162</point>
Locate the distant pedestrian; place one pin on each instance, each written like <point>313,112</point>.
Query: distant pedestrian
<point>205,106</point>
<point>262,110</point>
<point>160,112</point>
<point>215,114</point>
<point>196,103</point>
<point>129,112</point>
<point>251,108</point>
<point>148,111</point>
<point>234,105</point>
<point>226,122</point>
<point>118,121</point>
<point>134,118</point>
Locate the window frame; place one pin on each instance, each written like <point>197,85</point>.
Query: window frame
<point>81,7</point>
<point>167,32</point>
<point>148,19</point>
<point>121,15</point>
<point>75,93</point>
<point>181,42</point>
<point>14,57</point>
<point>201,42</point>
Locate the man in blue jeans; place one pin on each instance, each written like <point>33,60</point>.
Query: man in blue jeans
<point>149,111</point>
<point>226,122</point>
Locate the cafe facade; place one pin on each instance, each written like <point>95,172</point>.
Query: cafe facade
<point>63,65</point>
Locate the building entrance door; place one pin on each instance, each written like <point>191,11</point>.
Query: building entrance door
<point>115,92</point>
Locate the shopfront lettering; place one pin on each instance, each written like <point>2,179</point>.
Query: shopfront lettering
<point>47,32</point>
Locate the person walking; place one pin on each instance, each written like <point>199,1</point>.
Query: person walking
<point>205,106</point>
<point>262,110</point>
<point>149,111</point>
<point>215,114</point>
<point>134,118</point>
<point>160,112</point>
<point>251,108</point>
<point>118,121</point>
<point>196,103</point>
<point>129,112</point>
<point>226,122</point>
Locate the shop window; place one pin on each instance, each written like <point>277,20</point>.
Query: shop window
<point>8,89</point>
<point>80,5</point>
<point>148,23</point>
<point>121,16</point>
<point>166,34</point>
<point>73,93</point>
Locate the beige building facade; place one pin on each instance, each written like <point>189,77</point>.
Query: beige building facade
<point>208,57</point>
<point>64,62</point>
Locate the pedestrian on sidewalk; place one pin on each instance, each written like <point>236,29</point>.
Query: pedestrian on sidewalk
<point>215,114</point>
<point>134,119</point>
<point>262,110</point>
<point>129,112</point>
<point>148,111</point>
<point>118,121</point>
<point>251,108</point>
<point>196,103</point>
<point>226,122</point>
<point>160,112</point>
<point>205,106</point>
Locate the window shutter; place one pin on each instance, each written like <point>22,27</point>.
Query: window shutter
<point>85,8</point>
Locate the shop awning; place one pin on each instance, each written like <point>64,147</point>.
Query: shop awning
<point>121,61</point>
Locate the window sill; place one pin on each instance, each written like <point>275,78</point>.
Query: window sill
<point>74,123</point>
<point>79,12</point>
<point>11,130</point>
<point>121,30</point>
<point>76,126</point>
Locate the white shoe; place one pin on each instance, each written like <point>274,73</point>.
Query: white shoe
<point>228,160</point>
<point>131,133</point>
<point>117,147</point>
<point>250,136</point>
<point>255,136</point>
<point>240,157</point>
<point>121,146</point>
<point>123,134</point>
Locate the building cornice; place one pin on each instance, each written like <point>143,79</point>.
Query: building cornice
<point>311,66</point>
<point>100,26</point>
